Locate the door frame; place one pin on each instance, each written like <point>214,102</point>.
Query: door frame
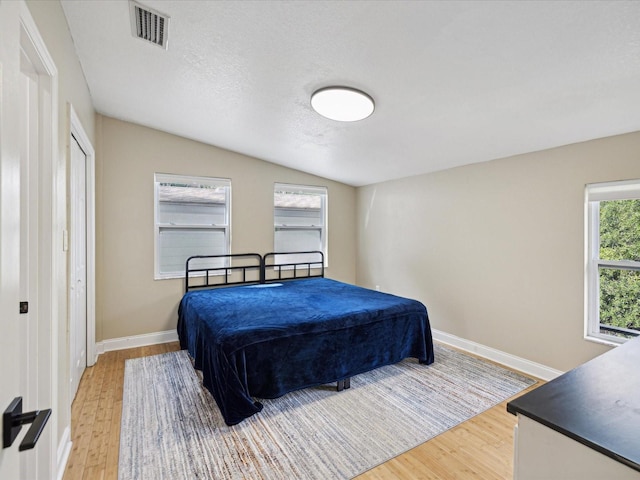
<point>77,131</point>
<point>52,283</point>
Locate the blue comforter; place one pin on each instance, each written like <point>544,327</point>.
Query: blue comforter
<point>262,341</point>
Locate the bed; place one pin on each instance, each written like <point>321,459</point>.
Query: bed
<point>271,326</point>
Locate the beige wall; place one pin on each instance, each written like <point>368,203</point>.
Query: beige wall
<point>72,89</point>
<point>495,250</point>
<point>129,301</point>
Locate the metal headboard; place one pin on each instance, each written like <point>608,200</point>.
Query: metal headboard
<point>292,269</point>
<point>270,268</point>
<point>223,276</point>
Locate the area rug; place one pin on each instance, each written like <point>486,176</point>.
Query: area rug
<point>172,428</point>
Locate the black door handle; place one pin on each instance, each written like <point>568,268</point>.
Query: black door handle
<point>13,419</point>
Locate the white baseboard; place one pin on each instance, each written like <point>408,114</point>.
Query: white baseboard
<point>517,363</point>
<point>64,450</point>
<point>136,341</point>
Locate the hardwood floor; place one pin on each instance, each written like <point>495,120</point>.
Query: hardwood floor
<point>95,415</point>
<point>481,447</point>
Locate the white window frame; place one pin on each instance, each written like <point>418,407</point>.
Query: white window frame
<point>324,193</point>
<point>186,179</point>
<point>594,194</point>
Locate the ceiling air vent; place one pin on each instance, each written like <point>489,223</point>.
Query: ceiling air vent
<point>149,25</point>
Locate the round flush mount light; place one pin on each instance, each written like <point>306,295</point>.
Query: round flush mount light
<point>343,104</point>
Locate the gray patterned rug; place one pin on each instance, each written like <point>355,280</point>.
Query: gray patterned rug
<point>172,428</point>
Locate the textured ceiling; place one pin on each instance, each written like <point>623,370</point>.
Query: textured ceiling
<point>454,82</point>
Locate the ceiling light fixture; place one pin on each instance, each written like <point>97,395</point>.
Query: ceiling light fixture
<point>343,104</point>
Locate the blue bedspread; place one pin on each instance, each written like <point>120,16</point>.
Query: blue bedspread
<point>262,341</point>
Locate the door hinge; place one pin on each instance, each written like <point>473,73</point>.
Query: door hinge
<point>24,307</point>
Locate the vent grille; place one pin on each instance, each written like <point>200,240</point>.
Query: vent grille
<point>149,25</point>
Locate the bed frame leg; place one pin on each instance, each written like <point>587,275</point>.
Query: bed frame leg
<point>344,384</point>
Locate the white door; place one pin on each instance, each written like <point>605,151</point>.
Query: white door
<point>27,152</point>
<point>9,233</point>
<point>29,227</point>
<point>78,264</point>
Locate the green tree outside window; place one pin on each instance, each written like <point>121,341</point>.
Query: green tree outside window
<point>620,240</point>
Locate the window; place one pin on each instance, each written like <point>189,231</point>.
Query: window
<point>300,219</point>
<point>613,261</point>
<point>191,218</point>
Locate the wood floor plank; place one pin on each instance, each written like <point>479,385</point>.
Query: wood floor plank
<point>83,412</point>
<point>480,448</point>
<point>98,446</point>
<point>111,466</point>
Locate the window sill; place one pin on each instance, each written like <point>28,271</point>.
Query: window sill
<point>170,277</point>
<point>173,276</point>
<point>606,341</point>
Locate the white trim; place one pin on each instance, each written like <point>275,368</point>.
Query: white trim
<point>603,340</point>
<point>51,205</point>
<point>64,450</point>
<point>323,192</point>
<point>594,194</point>
<point>592,279</point>
<point>171,177</point>
<point>134,341</point>
<point>620,190</point>
<point>517,363</point>
<point>78,131</point>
